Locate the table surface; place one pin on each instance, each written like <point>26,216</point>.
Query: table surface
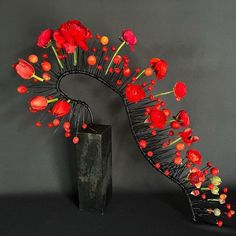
<point>127,214</point>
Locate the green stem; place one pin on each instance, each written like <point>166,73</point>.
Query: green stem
<point>140,74</point>
<point>38,78</point>
<point>162,94</point>
<point>75,57</point>
<point>204,188</point>
<point>169,121</point>
<point>117,50</point>
<point>176,141</point>
<point>56,55</point>
<point>53,100</point>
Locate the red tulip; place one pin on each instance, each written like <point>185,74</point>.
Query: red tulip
<point>129,37</point>
<point>180,90</point>
<point>44,38</point>
<point>38,103</point>
<point>22,89</point>
<point>160,67</point>
<point>25,70</point>
<point>134,93</point>
<point>61,108</point>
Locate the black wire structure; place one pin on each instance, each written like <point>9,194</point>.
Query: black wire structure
<point>202,209</point>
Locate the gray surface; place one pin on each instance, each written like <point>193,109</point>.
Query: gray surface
<point>197,38</point>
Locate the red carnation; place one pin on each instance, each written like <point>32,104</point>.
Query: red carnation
<point>160,67</point>
<point>183,118</point>
<point>180,90</point>
<point>187,137</point>
<point>196,177</point>
<point>61,108</point>
<point>130,38</point>
<point>194,156</point>
<point>24,69</point>
<point>134,93</point>
<point>44,38</point>
<point>38,103</point>
<point>157,118</point>
<point>72,34</point>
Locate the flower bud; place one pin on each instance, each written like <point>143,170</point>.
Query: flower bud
<point>216,180</point>
<point>217,212</point>
<point>215,190</point>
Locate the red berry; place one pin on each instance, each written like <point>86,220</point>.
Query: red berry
<point>45,55</point>
<point>137,70</point>
<point>99,67</point>
<point>75,140</point>
<point>46,66</point>
<point>219,223</point>
<point>214,171</point>
<point>209,164</point>
<point>50,125</point>
<point>228,206</point>
<point>188,164</point>
<point>171,133</point>
<point>46,76</point>
<point>66,125</point>
<point>151,97</point>
<point>142,143</point>
<point>175,124</point>
<point>154,132</point>
<point>67,134</point>
<point>166,112</point>
<point>177,160</point>
<point>22,89</point>
<point>38,124</point>
<point>126,72</point>
<point>205,172</point>
<point>117,60</point>
<point>119,82</point>
<point>84,126</point>
<point>157,165</point>
<point>166,172</point>
<point>56,122</point>
<point>225,190</point>
<point>178,153</point>
<point>149,153</point>
<point>211,186</point>
<point>203,196</point>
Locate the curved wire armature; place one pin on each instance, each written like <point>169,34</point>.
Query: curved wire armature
<point>147,113</point>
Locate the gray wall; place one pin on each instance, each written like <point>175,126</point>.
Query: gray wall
<point>197,38</point>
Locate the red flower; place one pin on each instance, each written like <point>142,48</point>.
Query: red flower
<point>196,177</point>
<point>44,38</point>
<point>160,67</point>
<point>194,156</point>
<point>180,90</point>
<point>38,103</point>
<point>183,118</point>
<point>24,69</point>
<point>72,34</point>
<point>61,108</point>
<point>187,137</point>
<point>134,93</point>
<point>130,38</point>
<point>157,118</point>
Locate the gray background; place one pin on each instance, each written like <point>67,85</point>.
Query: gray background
<point>197,38</point>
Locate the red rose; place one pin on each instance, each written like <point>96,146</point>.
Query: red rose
<point>157,118</point>
<point>38,103</point>
<point>44,38</point>
<point>24,69</point>
<point>180,90</point>
<point>134,93</point>
<point>72,34</point>
<point>129,37</point>
<point>61,108</point>
<point>183,118</point>
<point>194,156</point>
<point>196,177</point>
<point>187,137</point>
<point>160,67</point>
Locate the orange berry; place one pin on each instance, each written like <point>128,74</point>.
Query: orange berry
<point>92,60</point>
<point>104,40</point>
<point>148,71</point>
<point>180,146</point>
<point>177,160</point>
<point>46,76</point>
<point>33,58</point>
<point>46,66</point>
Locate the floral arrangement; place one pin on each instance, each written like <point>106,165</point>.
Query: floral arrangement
<point>165,139</point>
